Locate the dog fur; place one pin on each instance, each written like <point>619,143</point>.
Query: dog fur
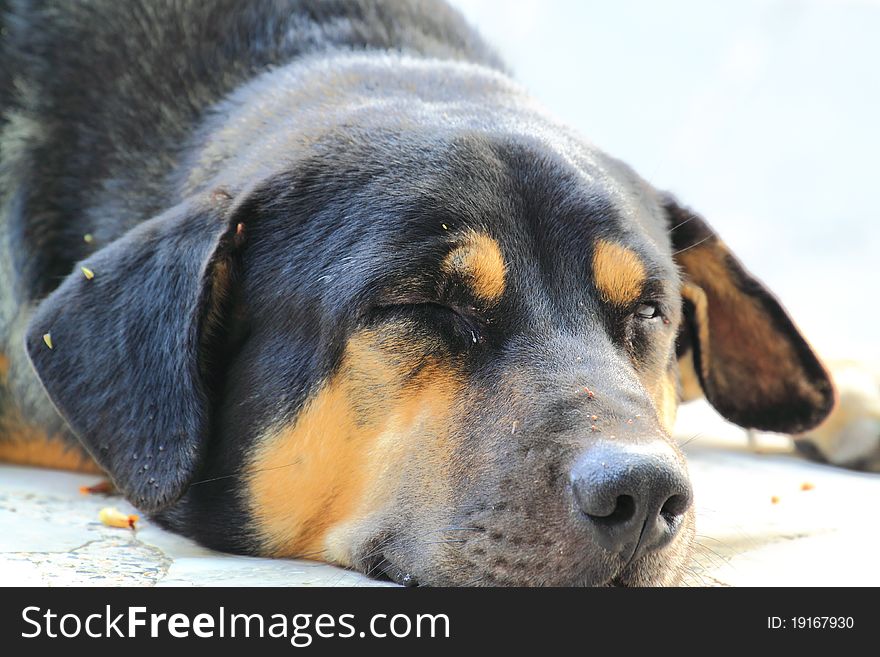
<point>354,296</point>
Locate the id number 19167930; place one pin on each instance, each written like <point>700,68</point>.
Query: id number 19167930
<point>810,623</point>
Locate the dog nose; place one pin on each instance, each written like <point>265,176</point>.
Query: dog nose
<point>634,496</point>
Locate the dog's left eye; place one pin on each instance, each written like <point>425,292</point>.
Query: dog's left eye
<point>647,311</point>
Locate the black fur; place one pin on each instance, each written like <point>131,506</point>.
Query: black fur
<point>124,359</point>
<point>97,133</point>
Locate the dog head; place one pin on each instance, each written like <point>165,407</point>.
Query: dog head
<point>437,341</point>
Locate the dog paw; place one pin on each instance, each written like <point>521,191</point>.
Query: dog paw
<point>850,436</point>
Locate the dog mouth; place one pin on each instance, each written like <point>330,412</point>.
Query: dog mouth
<point>384,570</point>
<point>629,575</point>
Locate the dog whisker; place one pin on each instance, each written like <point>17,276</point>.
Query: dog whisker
<point>375,568</point>
<point>705,239</point>
<point>377,551</point>
<point>693,573</point>
<point>714,558</point>
<point>461,529</point>
<point>699,544</point>
<point>690,440</point>
<point>709,538</point>
<point>680,224</point>
<point>245,473</point>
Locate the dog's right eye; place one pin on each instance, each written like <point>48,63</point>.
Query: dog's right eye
<point>443,318</point>
<point>647,311</point>
<point>464,324</point>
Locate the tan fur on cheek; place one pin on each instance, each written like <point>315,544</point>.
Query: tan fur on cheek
<point>667,406</point>
<point>618,273</point>
<point>690,381</point>
<point>664,394</point>
<point>480,262</point>
<point>25,445</point>
<point>342,459</point>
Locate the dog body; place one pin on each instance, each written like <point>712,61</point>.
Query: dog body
<point>318,279</point>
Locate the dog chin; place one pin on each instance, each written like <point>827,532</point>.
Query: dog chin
<point>642,573</point>
<point>664,568</point>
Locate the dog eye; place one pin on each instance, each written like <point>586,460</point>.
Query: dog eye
<point>647,311</point>
<point>462,322</point>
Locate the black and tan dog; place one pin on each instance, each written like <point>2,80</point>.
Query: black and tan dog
<point>318,279</point>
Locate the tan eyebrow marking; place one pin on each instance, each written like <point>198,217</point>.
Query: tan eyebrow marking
<point>479,261</point>
<point>618,272</point>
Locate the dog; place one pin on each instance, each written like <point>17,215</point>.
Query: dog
<point>320,280</point>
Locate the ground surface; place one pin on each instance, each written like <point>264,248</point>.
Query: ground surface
<point>50,534</point>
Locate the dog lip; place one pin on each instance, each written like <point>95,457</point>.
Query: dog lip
<point>622,574</point>
<point>388,569</point>
<point>385,569</point>
<point>620,579</point>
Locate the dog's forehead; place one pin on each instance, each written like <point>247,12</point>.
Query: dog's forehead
<point>495,208</point>
<point>510,207</point>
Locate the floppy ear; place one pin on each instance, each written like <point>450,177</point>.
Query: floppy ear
<point>117,347</point>
<point>749,358</point>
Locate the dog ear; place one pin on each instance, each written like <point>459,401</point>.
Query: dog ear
<point>737,342</point>
<point>119,346</point>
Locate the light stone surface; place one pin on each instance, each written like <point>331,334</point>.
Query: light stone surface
<point>824,536</point>
<point>50,534</point>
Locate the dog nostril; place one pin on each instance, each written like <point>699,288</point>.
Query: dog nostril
<point>634,498</point>
<point>624,510</point>
<point>675,506</point>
